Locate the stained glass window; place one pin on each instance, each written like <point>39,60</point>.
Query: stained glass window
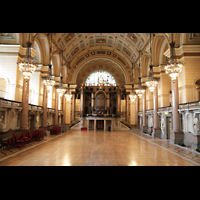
<point>100,78</point>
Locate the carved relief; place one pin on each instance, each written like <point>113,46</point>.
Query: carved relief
<point>2,124</point>
<point>163,125</point>
<point>132,37</point>
<point>37,122</point>
<point>69,37</point>
<point>195,125</point>
<point>150,120</point>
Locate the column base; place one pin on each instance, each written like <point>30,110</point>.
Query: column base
<point>24,129</point>
<point>191,140</point>
<point>135,126</point>
<point>156,133</point>
<point>144,129</point>
<point>176,137</point>
<point>45,128</point>
<point>150,130</point>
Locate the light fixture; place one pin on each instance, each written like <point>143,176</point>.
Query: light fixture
<point>151,82</point>
<point>68,95</point>
<point>140,89</point>
<point>27,67</point>
<point>132,96</point>
<point>49,79</point>
<point>174,67</point>
<point>60,89</point>
<point>140,92</point>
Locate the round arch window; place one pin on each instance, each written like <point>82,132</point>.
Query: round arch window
<point>100,78</point>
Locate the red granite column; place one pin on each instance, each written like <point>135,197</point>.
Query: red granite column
<point>127,107</point>
<point>155,108</point>
<point>136,112</point>
<point>175,106</point>
<point>73,107</point>
<point>144,127</point>
<point>25,99</point>
<point>56,108</point>
<point>44,115</point>
<point>156,129</point>
<point>176,133</point>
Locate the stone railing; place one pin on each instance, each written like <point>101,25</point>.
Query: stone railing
<point>9,103</point>
<point>34,107</point>
<point>50,110</point>
<point>190,105</point>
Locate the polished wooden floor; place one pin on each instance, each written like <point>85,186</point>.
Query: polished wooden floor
<point>89,148</point>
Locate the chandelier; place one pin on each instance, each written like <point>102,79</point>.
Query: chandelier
<point>151,82</point>
<point>68,95</point>
<point>174,67</point>
<point>141,89</point>
<point>27,67</point>
<point>60,89</point>
<point>140,92</point>
<point>49,79</point>
<point>132,96</point>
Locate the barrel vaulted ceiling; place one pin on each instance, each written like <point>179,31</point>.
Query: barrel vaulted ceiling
<point>126,44</point>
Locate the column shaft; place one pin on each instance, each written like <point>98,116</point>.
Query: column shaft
<point>155,107</point>
<point>25,99</point>
<point>175,106</point>
<point>44,115</point>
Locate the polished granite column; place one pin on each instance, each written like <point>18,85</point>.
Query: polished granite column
<point>156,130</point>
<point>144,127</point>
<point>25,99</point>
<point>44,115</point>
<point>176,133</point>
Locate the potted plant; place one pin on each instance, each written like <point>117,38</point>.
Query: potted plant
<point>198,148</point>
<point>181,143</point>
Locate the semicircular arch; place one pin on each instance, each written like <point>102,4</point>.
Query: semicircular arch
<point>100,64</point>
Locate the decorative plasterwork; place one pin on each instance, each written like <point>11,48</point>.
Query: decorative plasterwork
<point>184,49</point>
<point>128,44</point>
<point>99,64</point>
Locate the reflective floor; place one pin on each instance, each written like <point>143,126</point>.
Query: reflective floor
<point>89,148</point>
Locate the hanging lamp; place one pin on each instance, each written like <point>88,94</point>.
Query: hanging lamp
<point>60,89</point>
<point>133,95</point>
<point>68,95</point>
<point>49,79</point>
<point>174,67</point>
<point>140,89</point>
<point>151,82</point>
<point>27,67</point>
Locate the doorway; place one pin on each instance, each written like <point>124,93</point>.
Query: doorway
<point>100,125</point>
<point>169,125</point>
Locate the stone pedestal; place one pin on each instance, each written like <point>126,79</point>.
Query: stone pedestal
<point>144,129</point>
<point>47,133</point>
<point>191,140</point>
<point>156,133</point>
<point>176,137</point>
<point>149,130</point>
